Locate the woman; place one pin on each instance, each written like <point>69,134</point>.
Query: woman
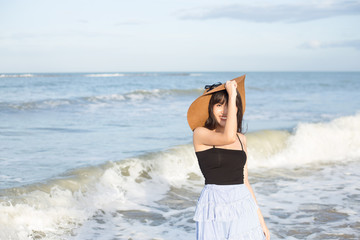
<point>227,207</point>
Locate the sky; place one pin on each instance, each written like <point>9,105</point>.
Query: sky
<point>179,35</point>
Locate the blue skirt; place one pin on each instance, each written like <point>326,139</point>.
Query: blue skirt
<point>227,212</point>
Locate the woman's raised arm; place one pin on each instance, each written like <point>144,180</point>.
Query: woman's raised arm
<point>204,136</point>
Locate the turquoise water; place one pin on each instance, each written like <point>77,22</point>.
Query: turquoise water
<point>91,138</point>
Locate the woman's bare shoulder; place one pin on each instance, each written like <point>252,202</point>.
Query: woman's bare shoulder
<point>200,131</point>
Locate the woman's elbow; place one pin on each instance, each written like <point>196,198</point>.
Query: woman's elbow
<point>230,139</point>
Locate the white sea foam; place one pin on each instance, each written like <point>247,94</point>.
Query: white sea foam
<point>136,95</point>
<point>105,75</point>
<point>120,74</point>
<point>28,75</point>
<point>10,178</point>
<point>333,141</point>
<point>61,206</point>
<point>133,96</point>
<point>141,74</point>
<point>41,104</point>
<point>311,203</point>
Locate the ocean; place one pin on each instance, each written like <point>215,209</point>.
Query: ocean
<point>110,155</point>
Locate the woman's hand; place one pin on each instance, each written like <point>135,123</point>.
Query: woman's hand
<point>266,231</point>
<point>262,223</point>
<point>230,87</point>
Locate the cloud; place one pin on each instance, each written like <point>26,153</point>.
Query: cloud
<point>275,13</point>
<point>315,44</point>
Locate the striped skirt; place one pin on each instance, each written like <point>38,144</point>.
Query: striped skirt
<point>227,212</point>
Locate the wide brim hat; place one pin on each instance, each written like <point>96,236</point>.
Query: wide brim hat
<point>198,110</point>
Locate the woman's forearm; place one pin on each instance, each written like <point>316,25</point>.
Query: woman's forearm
<point>231,123</point>
<point>251,191</point>
<point>261,218</point>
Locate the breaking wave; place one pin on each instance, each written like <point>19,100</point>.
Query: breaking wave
<point>135,187</point>
<point>134,96</point>
<point>98,75</point>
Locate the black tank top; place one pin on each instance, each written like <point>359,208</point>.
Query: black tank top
<point>222,166</point>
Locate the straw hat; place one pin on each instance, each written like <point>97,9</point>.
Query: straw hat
<point>198,110</point>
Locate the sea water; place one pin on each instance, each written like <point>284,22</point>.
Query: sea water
<point>109,155</point>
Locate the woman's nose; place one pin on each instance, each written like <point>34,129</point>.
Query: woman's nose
<point>225,110</point>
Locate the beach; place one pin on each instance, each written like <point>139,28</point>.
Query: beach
<point>110,156</point>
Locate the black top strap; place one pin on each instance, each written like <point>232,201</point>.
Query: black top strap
<point>242,148</point>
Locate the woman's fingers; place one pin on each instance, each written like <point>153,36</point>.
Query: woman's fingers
<point>267,234</point>
<point>235,83</point>
<point>231,86</point>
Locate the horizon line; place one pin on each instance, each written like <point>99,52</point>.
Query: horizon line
<point>185,71</point>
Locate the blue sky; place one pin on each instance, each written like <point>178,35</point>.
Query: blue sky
<point>139,35</point>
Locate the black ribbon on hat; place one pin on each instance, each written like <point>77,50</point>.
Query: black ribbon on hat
<point>211,87</point>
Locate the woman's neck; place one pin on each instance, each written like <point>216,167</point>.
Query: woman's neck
<point>219,129</point>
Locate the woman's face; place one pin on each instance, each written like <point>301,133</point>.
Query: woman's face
<point>220,113</point>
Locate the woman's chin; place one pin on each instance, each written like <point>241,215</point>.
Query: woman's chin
<point>222,124</point>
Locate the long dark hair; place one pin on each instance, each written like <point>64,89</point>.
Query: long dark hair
<point>222,98</point>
